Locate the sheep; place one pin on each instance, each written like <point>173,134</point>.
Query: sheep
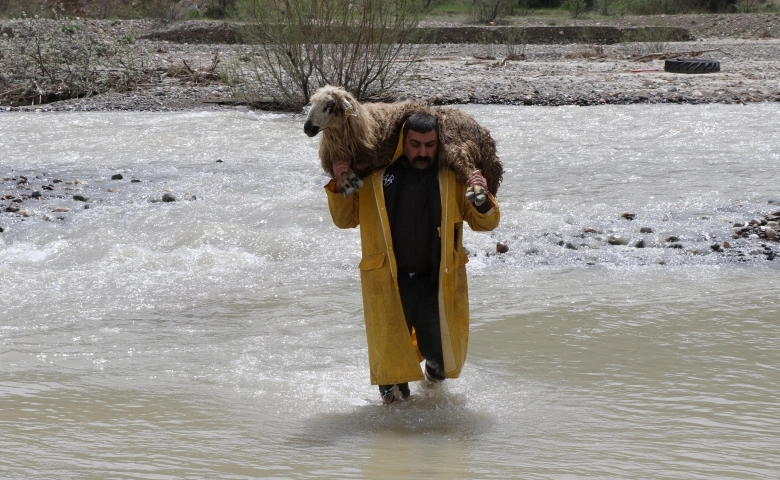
<point>366,136</point>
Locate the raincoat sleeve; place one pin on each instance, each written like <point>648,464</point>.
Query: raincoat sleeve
<point>481,222</point>
<point>343,210</point>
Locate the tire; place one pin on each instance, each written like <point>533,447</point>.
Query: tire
<point>691,65</point>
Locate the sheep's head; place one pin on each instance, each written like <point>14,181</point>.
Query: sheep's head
<point>329,107</point>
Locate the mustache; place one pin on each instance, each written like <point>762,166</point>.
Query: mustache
<point>422,159</point>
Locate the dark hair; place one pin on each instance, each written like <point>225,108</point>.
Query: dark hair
<point>421,123</point>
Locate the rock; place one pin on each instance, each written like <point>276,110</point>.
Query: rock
<point>12,208</point>
<point>672,238</point>
<point>26,213</point>
<point>771,233</point>
<point>571,246</point>
<point>60,209</point>
<point>614,240</point>
<point>80,198</point>
<point>135,180</point>
<point>676,245</point>
<point>726,245</point>
<point>715,247</point>
<point>645,230</point>
<point>168,197</point>
<point>35,194</point>
<point>640,244</point>
<point>219,160</point>
<point>117,176</point>
<point>502,247</point>
<point>628,216</point>
<point>592,230</point>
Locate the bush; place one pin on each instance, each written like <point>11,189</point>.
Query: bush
<point>300,45</point>
<point>48,60</point>
<point>605,7</point>
<point>643,41</point>
<point>575,7</point>
<point>489,11</point>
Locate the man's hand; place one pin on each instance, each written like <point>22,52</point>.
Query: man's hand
<point>476,178</point>
<point>339,169</point>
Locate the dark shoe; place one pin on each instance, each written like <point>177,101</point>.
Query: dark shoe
<point>391,393</point>
<point>433,372</point>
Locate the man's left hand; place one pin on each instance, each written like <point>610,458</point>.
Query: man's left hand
<point>476,178</point>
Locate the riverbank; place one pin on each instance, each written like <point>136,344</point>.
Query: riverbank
<point>578,72</point>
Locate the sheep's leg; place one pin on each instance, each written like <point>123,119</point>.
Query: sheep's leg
<point>355,181</point>
<point>350,182</point>
<point>346,184</point>
<point>476,194</point>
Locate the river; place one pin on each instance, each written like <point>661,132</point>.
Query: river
<point>221,335</point>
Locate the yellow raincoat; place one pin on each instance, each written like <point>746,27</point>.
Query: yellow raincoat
<point>392,353</point>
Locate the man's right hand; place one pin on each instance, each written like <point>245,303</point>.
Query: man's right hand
<point>339,169</point>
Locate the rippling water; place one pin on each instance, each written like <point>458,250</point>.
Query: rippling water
<point>222,337</point>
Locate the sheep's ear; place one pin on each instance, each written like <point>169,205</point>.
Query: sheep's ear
<point>348,110</point>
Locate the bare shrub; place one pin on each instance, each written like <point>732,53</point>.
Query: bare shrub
<point>48,60</point>
<point>515,43</point>
<point>643,41</point>
<point>575,7</point>
<point>588,46</point>
<point>522,7</point>
<point>747,6</point>
<point>491,11</point>
<point>300,45</point>
<point>605,7</point>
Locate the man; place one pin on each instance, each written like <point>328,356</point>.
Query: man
<point>413,273</point>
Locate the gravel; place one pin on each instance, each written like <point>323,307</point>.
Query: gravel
<point>748,47</point>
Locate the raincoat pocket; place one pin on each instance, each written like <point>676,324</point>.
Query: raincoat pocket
<point>374,276</point>
<point>372,262</point>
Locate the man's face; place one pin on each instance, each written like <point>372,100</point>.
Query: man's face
<point>420,148</point>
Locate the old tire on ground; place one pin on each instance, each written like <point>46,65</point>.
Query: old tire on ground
<point>691,65</point>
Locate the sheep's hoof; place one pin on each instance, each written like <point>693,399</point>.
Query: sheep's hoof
<point>476,195</point>
<point>357,183</point>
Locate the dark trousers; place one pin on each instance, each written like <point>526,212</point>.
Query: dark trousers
<point>420,300</point>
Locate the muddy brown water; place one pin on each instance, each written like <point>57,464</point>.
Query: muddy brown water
<point>221,337</point>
